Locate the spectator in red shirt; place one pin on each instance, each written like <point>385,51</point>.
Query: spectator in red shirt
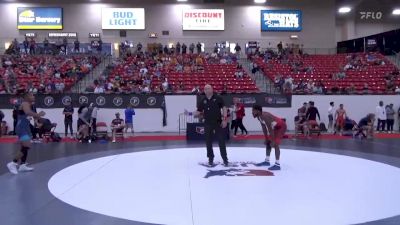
<point>240,113</point>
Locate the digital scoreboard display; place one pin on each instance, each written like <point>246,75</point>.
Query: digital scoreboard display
<point>281,20</point>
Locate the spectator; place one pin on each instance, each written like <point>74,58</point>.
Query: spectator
<point>237,50</point>
<point>184,48</point>
<point>380,112</point>
<point>390,117</point>
<point>198,46</point>
<point>26,45</point>
<point>196,90</point>
<point>129,113</point>
<point>239,73</point>
<point>65,44</point>
<point>366,89</point>
<point>340,119</point>
<point>1,122</point>
<point>32,47</point>
<point>366,124</point>
<point>280,47</point>
<point>46,45</point>
<point>83,123</point>
<point>76,46</point>
<point>239,115</point>
<point>117,126</point>
<point>165,84</point>
<point>139,47</point>
<point>178,48</point>
<point>191,48</point>
<point>397,90</point>
<point>331,109</point>
<point>312,112</point>
<point>68,113</point>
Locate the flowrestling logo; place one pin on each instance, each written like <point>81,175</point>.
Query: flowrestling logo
<point>40,18</point>
<point>371,15</point>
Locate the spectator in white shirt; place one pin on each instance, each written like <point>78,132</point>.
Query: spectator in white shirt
<point>165,85</point>
<point>380,112</point>
<point>397,90</point>
<point>239,74</point>
<point>98,89</point>
<point>331,111</point>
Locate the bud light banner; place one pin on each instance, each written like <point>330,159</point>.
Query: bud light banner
<point>36,18</point>
<point>281,20</point>
<point>203,19</point>
<point>123,18</point>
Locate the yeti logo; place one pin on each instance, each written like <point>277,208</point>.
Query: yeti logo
<point>371,15</point>
<point>237,169</point>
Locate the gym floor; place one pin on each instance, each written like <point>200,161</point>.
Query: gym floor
<point>129,183</point>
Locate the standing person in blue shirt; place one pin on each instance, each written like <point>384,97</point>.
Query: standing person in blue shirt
<point>129,113</point>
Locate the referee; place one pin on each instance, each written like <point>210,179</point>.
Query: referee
<point>214,122</point>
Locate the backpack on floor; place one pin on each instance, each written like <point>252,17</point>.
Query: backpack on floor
<point>55,137</point>
<point>322,127</point>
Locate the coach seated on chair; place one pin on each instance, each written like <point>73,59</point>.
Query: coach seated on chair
<point>366,126</point>
<point>117,126</point>
<point>44,126</point>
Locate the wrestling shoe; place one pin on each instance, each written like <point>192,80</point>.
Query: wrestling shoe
<point>211,162</point>
<point>275,167</point>
<point>25,168</point>
<point>265,163</point>
<point>226,163</point>
<point>12,167</point>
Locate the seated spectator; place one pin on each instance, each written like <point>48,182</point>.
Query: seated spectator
<point>146,89</point>
<point>196,90</point>
<point>165,84</point>
<point>178,68</point>
<point>348,66</point>
<point>397,90</point>
<point>352,89</point>
<point>239,74</point>
<point>366,126</point>
<point>365,89</point>
<point>341,75</point>
<point>117,126</point>
<point>44,126</point>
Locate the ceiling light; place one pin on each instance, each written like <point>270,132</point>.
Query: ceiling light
<point>259,1</point>
<point>182,0</point>
<point>344,10</point>
<point>396,12</point>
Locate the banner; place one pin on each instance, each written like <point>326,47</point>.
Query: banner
<point>203,19</point>
<point>63,34</point>
<point>38,18</point>
<point>122,19</point>
<point>101,100</point>
<point>264,100</point>
<point>281,20</point>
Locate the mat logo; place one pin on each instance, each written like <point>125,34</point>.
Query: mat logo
<point>371,15</point>
<point>237,169</point>
<point>233,172</point>
<point>200,130</point>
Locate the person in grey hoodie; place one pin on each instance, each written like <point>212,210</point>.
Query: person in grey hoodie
<point>390,117</point>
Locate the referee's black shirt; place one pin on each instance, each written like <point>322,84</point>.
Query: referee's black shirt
<point>211,109</point>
